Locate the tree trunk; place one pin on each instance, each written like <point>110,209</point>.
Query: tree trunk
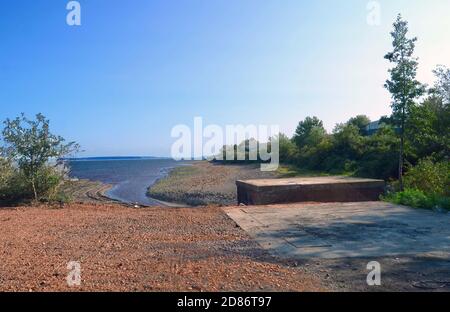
<point>34,190</point>
<point>402,144</point>
<point>400,164</point>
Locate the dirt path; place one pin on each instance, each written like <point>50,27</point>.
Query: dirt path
<point>123,249</point>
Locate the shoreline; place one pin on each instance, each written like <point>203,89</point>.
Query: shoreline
<point>204,183</point>
<point>124,203</point>
<point>93,191</point>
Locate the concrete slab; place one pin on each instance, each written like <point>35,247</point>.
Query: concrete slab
<point>343,230</point>
<point>306,189</point>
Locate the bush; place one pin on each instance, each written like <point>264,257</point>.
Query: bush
<point>48,184</point>
<point>429,177</point>
<point>6,172</point>
<point>410,197</point>
<point>15,188</point>
<point>31,146</point>
<point>418,199</point>
<point>380,156</point>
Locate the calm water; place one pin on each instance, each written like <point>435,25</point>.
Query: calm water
<point>131,178</point>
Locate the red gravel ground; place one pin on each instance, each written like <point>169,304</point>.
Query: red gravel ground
<point>123,249</point>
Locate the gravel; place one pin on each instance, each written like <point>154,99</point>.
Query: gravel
<point>124,249</point>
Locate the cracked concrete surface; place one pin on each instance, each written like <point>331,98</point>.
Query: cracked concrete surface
<point>345,230</point>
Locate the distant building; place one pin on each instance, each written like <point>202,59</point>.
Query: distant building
<point>373,127</point>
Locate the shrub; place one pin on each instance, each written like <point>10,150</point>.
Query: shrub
<point>418,199</point>
<point>15,187</point>
<point>6,172</point>
<point>48,184</point>
<point>410,197</point>
<point>429,177</point>
<point>31,146</point>
<point>380,156</point>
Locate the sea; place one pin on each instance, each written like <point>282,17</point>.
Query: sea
<point>130,176</point>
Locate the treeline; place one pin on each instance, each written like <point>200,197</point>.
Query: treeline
<point>356,149</point>
<point>349,149</point>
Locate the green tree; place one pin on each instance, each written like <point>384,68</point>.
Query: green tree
<point>309,132</point>
<point>380,156</point>
<point>348,144</point>
<point>428,131</point>
<point>402,85</point>
<point>441,87</point>
<point>287,148</point>
<point>429,177</point>
<point>30,145</point>
<point>361,122</point>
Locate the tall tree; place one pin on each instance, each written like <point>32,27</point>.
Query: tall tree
<point>402,85</point>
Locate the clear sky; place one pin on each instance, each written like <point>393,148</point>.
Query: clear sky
<point>118,83</point>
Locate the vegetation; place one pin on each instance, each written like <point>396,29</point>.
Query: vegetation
<point>411,148</point>
<point>403,86</point>
<point>418,199</point>
<point>427,185</point>
<point>26,171</point>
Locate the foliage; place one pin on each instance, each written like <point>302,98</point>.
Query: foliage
<point>428,129</point>
<point>361,122</point>
<point>309,132</point>
<point>348,150</point>
<point>441,88</point>
<point>403,86</point>
<point>429,177</point>
<point>25,169</point>
<point>6,173</point>
<point>287,148</point>
<point>379,158</point>
<point>418,199</point>
<point>30,145</point>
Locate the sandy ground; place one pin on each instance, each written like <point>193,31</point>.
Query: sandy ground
<point>123,249</point>
<point>205,183</point>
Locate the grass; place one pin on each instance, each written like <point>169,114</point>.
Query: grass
<point>291,171</point>
<point>418,199</point>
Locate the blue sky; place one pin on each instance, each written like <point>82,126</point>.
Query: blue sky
<point>118,83</point>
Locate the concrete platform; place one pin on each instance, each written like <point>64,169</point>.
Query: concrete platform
<point>317,189</point>
<point>345,230</point>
